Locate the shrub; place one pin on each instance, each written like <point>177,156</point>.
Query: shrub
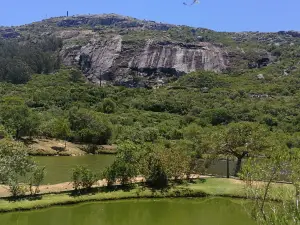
<point>90,127</point>
<point>83,178</point>
<point>36,179</point>
<point>126,165</point>
<point>16,164</point>
<point>109,106</point>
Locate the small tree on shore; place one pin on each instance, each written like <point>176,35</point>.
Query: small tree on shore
<point>240,140</point>
<point>83,178</point>
<point>16,166</point>
<point>161,163</point>
<point>36,180</point>
<point>126,165</point>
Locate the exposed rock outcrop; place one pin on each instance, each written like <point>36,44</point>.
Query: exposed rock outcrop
<point>121,50</point>
<point>124,63</point>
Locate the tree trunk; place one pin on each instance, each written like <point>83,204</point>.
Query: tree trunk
<point>17,134</point>
<point>227,160</point>
<point>239,163</point>
<point>297,196</point>
<point>238,166</point>
<point>266,193</point>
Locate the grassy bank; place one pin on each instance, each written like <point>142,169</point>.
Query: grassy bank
<point>201,188</point>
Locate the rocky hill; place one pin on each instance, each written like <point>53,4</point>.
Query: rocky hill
<point>119,50</point>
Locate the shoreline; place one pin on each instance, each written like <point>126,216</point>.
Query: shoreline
<point>202,187</point>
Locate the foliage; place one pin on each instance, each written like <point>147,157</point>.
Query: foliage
<point>145,115</point>
<point>3,133</point>
<point>36,180</point>
<point>89,127</point>
<point>18,118</point>
<point>62,129</point>
<point>126,165</point>
<point>76,75</point>
<point>163,162</point>
<point>260,176</point>
<point>240,140</point>
<point>109,106</point>
<point>16,167</point>
<point>19,60</point>
<point>83,178</point>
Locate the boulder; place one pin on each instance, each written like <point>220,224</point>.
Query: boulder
<point>260,77</point>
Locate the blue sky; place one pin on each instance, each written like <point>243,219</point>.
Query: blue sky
<point>221,15</point>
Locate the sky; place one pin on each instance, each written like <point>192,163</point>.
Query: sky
<point>219,15</point>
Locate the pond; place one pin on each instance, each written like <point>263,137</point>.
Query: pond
<point>206,211</point>
<point>59,169</point>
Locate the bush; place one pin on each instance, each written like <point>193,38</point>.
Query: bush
<point>16,164</point>
<point>36,180</point>
<point>156,173</point>
<point>163,162</point>
<point>83,178</point>
<point>89,127</point>
<point>108,106</point>
<point>75,75</point>
<point>17,189</point>
<point>3,132</point>
<point>126,165</point>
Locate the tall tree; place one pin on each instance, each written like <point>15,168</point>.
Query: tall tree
<point>240,140</point>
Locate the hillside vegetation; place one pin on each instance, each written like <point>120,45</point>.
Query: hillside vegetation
<point>57,106</point>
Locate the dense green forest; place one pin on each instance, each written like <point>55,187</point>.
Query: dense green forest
<point>20,59</point>
<point>101,115</point>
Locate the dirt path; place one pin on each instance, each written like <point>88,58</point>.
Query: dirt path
<point>68,186</point>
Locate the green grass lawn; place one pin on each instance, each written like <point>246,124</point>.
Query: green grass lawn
<point>219,187</point>
<point>201,188</point>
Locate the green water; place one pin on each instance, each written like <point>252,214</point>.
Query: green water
<point>211,211</point>
<point>59,169</point>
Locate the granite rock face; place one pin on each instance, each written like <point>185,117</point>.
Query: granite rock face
<point>112,60</point>
<point>120,50</point>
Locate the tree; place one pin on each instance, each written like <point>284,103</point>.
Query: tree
<point>16,166</point>
<point>33,122</point>
<point>62,129</point>
<point>36,180</point>
<point>201,148</point>
<point>126,165</point>
<point>89,126</point>
<point>162,163</point>
<point>3,132</point>
<point>75,75</point>
<point>240,140</point>
<point>18,72</point>
<point>17,117</point>
<point>83,178</point>
<point>220,116</point>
